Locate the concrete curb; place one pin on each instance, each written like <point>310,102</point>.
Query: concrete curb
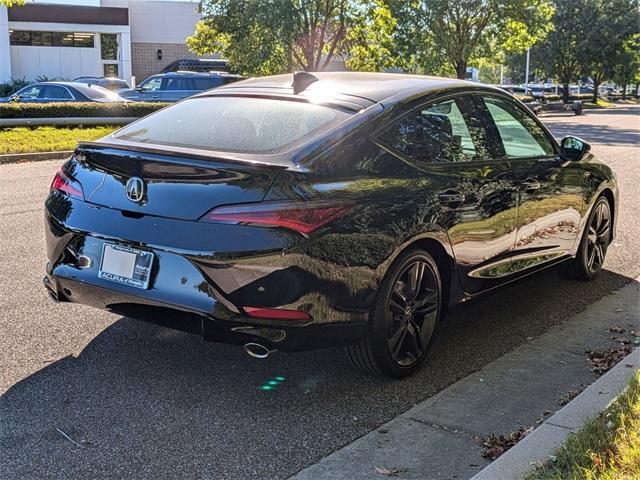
<point>33,157</point>
<point>439,437</point>
<point>536,447</point>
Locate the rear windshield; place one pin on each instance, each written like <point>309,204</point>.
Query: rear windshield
<point>95,91</point>
<point>233,124</point>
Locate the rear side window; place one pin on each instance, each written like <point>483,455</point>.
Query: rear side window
<point>521,136</point>
<point>57,93</point>
<point>96,92</point>
<point>233,124</point>
<point>437,133</point>
<point>205,83</point>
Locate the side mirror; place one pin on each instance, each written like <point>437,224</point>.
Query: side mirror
<point>574,148</point>
<point>138,88</point>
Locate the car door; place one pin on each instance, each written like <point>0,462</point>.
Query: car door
<point>550,190</point>
<point>474,189</point>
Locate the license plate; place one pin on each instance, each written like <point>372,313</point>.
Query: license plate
<point>126,265</point>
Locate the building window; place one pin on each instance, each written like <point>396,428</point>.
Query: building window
<point>110,70</point>
<point>109,46</point>
<point>51,39</point>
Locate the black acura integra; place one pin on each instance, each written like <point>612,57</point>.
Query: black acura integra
<point>315,210</point>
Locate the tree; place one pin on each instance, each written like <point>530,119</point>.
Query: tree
<point>272,36</point>
<point>371,43</point>
<point>459,32</point>
<point>558,53</point>
<point>611,23</point>
<point>627,68</point>
<point>12,3</point>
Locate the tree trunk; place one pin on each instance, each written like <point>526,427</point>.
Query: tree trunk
<point>624,91</point>
<point>635,94</point>
<point>565,92</point>
<point>461,69</point>
<point>594,99</point>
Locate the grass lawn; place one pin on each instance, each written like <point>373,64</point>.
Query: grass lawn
<point>602,103</point>
<point>606,448</point>
<point>47,139</point>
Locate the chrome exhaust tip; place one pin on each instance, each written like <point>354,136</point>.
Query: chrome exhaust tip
<point>256,350</point>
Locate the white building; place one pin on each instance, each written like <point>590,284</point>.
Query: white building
<point>117,38</point>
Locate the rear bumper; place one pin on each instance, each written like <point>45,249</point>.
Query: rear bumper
<point>236,329</point>
<point>197,289</point>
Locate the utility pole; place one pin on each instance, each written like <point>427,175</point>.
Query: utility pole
<point>526,74</point>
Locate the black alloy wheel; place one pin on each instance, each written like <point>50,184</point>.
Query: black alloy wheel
<point>403,318</point>
<point>594,244</point>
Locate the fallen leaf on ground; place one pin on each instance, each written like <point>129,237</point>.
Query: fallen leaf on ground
<point>601,361</point>
<point>615,330</point>
<point>495,445</point>
<point>567,397</point>
<point>390,472</point>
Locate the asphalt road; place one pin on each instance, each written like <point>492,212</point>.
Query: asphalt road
<point>139,401</point>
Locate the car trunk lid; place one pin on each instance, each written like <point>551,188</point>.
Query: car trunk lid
<point>174,186</point>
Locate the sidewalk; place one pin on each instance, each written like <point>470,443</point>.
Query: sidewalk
<point>438,438</point>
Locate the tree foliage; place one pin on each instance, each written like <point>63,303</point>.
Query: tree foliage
<point>12,3</point>
<point>611,23</point>
<point>627,66</point>
<point>272,36</point>
<point>457,33</point>
<point>589,40</point>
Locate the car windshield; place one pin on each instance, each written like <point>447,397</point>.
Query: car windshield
<point>234,124</point>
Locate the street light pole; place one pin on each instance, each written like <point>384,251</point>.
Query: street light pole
<point>526,74</point>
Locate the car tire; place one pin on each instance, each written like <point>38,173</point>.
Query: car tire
<point>593,245</point>
<point>403,318</point>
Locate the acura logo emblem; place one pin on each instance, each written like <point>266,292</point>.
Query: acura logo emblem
<point>136,189</point>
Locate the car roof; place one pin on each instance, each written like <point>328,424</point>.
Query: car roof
<point>363,88</point>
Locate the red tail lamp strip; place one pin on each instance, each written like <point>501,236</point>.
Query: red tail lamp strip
<point>63,183</point>
<point>276,313</point>
<point>301,218</point>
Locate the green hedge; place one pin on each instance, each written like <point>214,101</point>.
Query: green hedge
<point>80,109</point>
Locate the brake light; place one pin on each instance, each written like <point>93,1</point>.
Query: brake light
<point>64,183</point>
<point>304,218</point>
<point>276,313</point>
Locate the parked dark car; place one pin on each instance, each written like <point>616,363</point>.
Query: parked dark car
<point>45,92</point>
<point>338,209</point>
<point>174,86</point>
<point>113,84</point>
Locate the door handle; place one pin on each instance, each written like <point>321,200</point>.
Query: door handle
<point>451,197</point>
<point>531,184</point>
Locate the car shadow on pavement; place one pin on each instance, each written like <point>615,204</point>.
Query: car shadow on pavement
<point>141,401</point>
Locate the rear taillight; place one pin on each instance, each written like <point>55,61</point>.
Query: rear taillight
<point>276,313</point>
<point>304,218</point>
<point>64,183</point>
